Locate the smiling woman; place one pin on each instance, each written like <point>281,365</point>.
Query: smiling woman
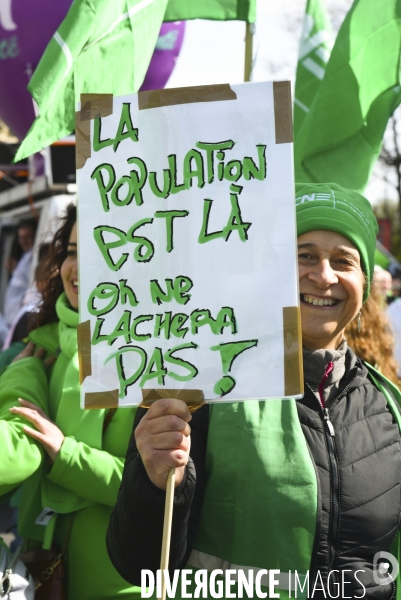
<point>69,269</point>
<point>309,485</point>
<point>331,285</point>
<point>66,460</point>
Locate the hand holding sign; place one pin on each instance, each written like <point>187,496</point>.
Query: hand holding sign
<point>163,440</point>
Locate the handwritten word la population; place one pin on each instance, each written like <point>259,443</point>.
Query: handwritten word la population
<point>203,164</point>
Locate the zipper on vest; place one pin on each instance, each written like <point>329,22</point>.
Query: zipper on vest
<point>334,476</point>
<point>330,426</point>
<point>313,565</point>
<point>330,433</point>
<point>335,499</point>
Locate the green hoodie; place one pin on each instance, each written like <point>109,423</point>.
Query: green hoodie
<point>87,472</point>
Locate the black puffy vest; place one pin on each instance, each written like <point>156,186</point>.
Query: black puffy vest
<point>359,475</point>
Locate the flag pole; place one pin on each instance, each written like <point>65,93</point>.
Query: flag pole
<point>194,399</point>
<point>168,518</point>
<point>250,30</point>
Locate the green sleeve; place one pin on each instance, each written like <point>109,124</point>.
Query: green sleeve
<point>20,455</point>
<point>92,474</point>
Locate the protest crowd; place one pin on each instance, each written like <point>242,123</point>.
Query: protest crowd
<point>295,493</point>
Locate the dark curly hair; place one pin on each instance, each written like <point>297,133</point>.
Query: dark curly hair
<point>55,257</point>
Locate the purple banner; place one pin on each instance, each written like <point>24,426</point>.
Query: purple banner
<point>167,49</point>
<point>26,27</point>
<point>25,30</point>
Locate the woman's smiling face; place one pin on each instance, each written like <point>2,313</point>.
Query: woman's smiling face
<point>69,269</point>
<point>331,285</point>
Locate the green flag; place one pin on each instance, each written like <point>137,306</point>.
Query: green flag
<point>105,46</point>
<point>219,10</point>
<point>314,52</point>
<point>101,46</point>
<point>342,133</point>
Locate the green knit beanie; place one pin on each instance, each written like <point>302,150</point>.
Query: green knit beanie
<point>331,207</point>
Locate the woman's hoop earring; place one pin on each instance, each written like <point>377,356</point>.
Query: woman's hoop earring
<point>359,321</point>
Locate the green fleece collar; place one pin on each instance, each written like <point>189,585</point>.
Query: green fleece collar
<point>46,337</point>
<point>62,334</point>
<point>65,312</point>
<point>67,327</point>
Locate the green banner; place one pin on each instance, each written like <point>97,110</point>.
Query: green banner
<point>342,133</point>
<point>106,47</point>
<point>100,46</point>
<point>219,10</point>
<point>314,52</point>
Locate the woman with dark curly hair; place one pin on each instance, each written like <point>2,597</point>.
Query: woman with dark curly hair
<point>67,460</point>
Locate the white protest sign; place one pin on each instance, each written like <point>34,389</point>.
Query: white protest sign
<point>187,244</point>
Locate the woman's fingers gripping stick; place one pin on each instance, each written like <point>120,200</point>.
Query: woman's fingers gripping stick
<point>166,416</point>
<point>169,406</point>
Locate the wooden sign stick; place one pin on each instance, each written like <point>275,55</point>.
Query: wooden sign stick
<point>168,520</point>
<point>194,399</point>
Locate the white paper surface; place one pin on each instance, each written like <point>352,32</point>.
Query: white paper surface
<point>254,278</point>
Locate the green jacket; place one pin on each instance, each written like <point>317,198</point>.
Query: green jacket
<point>87,472</point>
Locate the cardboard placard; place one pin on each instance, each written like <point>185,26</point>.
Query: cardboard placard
<point>187,245</point>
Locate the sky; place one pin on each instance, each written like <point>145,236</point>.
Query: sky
<point>213,52</point>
